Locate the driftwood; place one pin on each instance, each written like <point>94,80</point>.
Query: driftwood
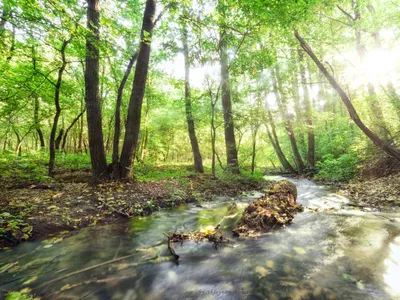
<point>276,208</point>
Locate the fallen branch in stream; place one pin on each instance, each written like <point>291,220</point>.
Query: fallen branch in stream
<point>211,234</point>
<point>68,287</point>
<point>84,270</point>
<point>114,209</point>
<point>171,247</point>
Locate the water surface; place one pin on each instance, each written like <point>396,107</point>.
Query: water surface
<point>328,253</point>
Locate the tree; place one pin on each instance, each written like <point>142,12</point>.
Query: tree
<point>309,122</point>
<point>282,104</point>
<point>346,100</point>
<point>92,94</point>
<point>198,161</point>
<point>137,94</point>
<point>230,142</point>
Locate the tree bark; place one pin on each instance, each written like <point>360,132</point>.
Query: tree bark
<point>288,124</point>
<point>346,100</point>
<point>92,94</point>
<point>117,121</point>
<point>138,88</point>
<point>59,139</point>
<point>37,123</point>
<point>18,148</point>
<point>80,133</point>
<point>253,152</point>
<point>198,161</point>
<point>230,142</point>
<point>52,142</point>
<point>309,122</point>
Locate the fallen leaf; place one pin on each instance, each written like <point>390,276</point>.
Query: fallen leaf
<point>299,250</point>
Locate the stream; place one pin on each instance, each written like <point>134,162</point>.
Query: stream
<point>331,251</point>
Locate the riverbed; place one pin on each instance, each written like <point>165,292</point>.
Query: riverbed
<point>331,251</point>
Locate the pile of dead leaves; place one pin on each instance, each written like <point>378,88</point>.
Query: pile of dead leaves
<point>277,208</point>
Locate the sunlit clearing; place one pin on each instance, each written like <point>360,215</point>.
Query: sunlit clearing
<point>271,101</point>
<point>392,274</point>
<point>176,69</point>
<point>379,65</point>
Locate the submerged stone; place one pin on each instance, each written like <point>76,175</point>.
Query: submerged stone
<point>276,208</point>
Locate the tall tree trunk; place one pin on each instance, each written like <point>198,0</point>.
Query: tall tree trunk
<point>253,152</point>
<point>288,123</point>
<point>230,142</point>
<point>346,100</point>
<point>275,143</point>
<point>80,134</point>
<point>213,131</point>
<point>52,142</point>
<point>309,122</point>
<point>117,121</point>
<point>109,133</point>
<point>198,161</point>
<point>37,123</point>
<point>298,106</point>
<point>138,88</point>
<point>64,139</point>
<point>92,94</point>
<point>18,148</point>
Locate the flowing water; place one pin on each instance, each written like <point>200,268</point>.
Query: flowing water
<point>328,253</point>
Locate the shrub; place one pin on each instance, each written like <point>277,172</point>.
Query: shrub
<point>341,168</point>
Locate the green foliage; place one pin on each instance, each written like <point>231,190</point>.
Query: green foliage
<point>15,170</point>
<point>23,294</point>
<point>342,168</point>
<point>150,171</point>
<point>244,178</point>
<point>72,161</point>
<point>14,227</point>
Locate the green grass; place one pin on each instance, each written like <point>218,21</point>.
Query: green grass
<point>148,172</point>
<point>33,168</point>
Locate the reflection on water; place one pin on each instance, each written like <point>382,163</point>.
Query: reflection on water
<point>392,275</point>
<point>325,255</point>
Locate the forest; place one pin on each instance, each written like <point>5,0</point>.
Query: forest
<point>115,111</point>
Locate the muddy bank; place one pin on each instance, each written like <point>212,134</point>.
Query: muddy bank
<point>39,210</point>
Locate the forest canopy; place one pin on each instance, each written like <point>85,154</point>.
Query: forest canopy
<point>297,86</point>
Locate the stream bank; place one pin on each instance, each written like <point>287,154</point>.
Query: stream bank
<point>37,211</point>
<point>326,253</point>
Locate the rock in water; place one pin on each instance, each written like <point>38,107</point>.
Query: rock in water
<point>276,208</point>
